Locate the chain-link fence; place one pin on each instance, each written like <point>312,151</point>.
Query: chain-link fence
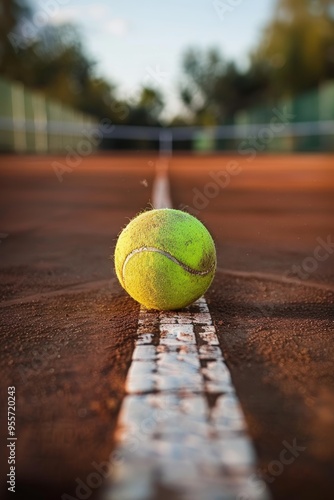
<point>30,122</point>
<point>33,123</point>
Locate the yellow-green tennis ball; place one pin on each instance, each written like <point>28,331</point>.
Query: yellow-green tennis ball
<point>165,259</point>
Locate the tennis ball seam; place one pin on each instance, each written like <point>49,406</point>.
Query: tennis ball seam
<point>169,256</point>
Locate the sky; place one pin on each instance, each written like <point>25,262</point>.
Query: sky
<point>138,43</point>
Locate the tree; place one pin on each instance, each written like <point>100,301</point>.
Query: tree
<point>11,13</point>
<point>152,101</point>
<point>51,59</point>
<point>202,71</point>
<point>295,54</point>
<point>147,108</point>
<point>297,47</point>
<point>214,89</point>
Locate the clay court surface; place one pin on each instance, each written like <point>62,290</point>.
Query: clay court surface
<point>68,329</point>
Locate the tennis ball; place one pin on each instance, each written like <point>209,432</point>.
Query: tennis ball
<point>165,259</point>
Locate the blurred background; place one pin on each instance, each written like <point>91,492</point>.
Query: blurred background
<point>199,75</point>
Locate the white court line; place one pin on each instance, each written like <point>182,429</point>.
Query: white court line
<point>181,432</point>
<point>160,192</point>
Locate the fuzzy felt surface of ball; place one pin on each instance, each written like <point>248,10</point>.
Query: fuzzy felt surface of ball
<point>165,259</point>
